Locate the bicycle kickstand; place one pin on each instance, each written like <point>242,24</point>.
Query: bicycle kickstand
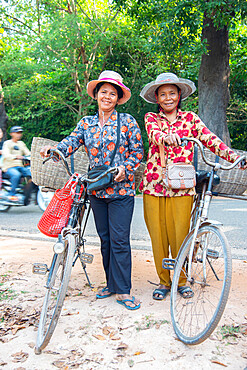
<point>85,271</point>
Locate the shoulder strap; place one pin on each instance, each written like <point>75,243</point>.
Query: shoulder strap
<point>161,148</point>
<point>118,139</point>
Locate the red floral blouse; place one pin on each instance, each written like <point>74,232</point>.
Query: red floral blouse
<point>186,124</point>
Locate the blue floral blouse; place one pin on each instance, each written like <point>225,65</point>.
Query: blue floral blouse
<point>99,144</point>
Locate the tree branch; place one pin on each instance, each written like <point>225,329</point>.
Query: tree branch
<point>24,24</point>
<point>109,21</point>
<point>56,53</point>
<point>91,20</point>
<point>13,29</point>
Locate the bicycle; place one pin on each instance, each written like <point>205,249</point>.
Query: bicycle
<point>204,261</point>
<point>69,247</point>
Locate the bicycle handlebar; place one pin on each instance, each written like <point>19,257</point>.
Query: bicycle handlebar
<point>56,153</point>
<point>213,164</point>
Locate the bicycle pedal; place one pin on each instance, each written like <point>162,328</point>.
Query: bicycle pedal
<point>212,254</point>
<point>168,263</point>
<point>86,257</point>
<point>40,268</point>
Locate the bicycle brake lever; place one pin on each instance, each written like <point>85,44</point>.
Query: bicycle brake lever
<point>52,154</point>
<point>45,160</point>
<point>184,142</point>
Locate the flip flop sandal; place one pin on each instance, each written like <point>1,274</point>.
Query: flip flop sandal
<point>185,292</point>
<point>162,292</point>
<point>108,294</point>
<point>123,302</point>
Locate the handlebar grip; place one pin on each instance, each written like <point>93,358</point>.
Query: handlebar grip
<point>243,162</point>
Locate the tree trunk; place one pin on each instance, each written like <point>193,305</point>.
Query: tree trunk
<point>213,79</point>
<point>3,115</point>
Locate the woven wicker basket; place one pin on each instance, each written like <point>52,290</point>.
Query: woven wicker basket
<point>231,182</point>
<point>52,174</point>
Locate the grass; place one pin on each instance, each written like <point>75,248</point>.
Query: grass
<point>148,323</point>
<point>6,293</point>
<point>229,331</point>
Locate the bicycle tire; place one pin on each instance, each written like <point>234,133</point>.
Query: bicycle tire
<point>53,303</point>
<point>195,318</point>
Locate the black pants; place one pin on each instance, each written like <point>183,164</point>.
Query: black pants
<point>113,218</point>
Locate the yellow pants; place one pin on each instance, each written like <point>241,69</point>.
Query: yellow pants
<point>168,222</point>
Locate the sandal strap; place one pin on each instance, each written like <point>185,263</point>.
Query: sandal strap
<point>128,300</point>
<point>185,289</point>
<point>161,291</point>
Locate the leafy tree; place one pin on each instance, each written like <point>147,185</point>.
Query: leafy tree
<point>3,115</point>
<point>177,26</point>
<point>50,57</point>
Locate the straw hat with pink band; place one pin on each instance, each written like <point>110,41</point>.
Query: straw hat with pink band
<point>113,78</point>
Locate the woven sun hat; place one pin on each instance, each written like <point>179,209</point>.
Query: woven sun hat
<point>113,78</point>
<point>187,87</point>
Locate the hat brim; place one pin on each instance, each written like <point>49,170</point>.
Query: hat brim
<point>187,88</point>
<point>126,91</point>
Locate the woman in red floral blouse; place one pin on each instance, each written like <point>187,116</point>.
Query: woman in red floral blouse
<point>167,211</point>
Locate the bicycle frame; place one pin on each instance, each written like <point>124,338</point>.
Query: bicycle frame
<point>201,215</point>
<point>79,206</point>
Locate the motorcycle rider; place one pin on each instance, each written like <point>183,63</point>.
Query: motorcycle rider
<point>13,153</point>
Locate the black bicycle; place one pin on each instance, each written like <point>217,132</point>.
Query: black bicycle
<point>69,247</point>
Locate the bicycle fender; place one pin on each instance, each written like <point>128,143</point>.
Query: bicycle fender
<point>204,223</point>
<point>211,222</point>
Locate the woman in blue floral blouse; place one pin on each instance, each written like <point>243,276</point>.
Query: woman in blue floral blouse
<point>112,207</point>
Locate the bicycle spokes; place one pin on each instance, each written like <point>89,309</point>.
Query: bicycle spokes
<point>195,318</point>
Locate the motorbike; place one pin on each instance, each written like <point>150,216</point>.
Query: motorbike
<point>27,192</point>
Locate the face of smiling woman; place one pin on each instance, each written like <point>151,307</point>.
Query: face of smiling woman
<point>168,97</point>
<point>107,98</point>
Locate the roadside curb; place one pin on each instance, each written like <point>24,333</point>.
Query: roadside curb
<point>90,240</point>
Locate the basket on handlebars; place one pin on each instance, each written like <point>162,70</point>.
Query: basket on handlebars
<point>53,174</point>
<point>56,215</point>
<point>231,182</point>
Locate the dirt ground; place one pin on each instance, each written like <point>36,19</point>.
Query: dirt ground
<point>101,334</point>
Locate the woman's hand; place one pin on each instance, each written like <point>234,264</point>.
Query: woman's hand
<point>44,152</point>
<point>173,139</point>
<point>121,174</point>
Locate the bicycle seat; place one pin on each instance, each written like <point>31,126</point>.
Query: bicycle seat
<point>203,176</point>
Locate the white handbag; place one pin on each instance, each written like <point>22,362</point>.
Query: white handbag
<point>176,175</point>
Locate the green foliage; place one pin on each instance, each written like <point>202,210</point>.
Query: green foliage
<point>6,293</point>
<point>229,331</point>
<point>50,49</point>
<point>237,110</point>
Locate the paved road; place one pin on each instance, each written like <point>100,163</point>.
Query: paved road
<point>232,213</point>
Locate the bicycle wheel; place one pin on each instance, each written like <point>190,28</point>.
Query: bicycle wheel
<point>57,284</point>
<point>194,319</point>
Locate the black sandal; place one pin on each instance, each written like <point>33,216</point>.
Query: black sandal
<point>162,292</point>
<point>185,292</point>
